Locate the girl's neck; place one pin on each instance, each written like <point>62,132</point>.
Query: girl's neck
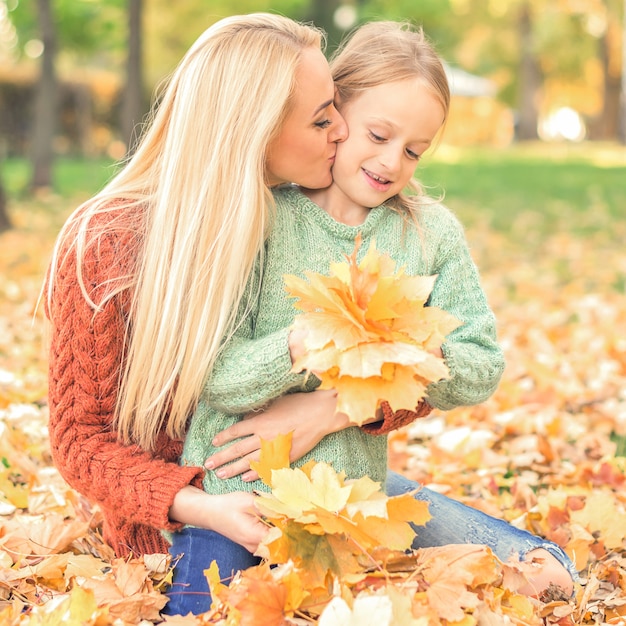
<point>340,208</point>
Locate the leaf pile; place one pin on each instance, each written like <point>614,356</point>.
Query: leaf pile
<point>343,545</point>
<point>369,334</point>
<point>545,452</point>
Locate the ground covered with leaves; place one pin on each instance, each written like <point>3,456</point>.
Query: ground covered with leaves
<point>545,453</point>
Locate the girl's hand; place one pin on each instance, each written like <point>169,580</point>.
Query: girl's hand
<point>296,344</point>
<point>233,515</point>
<point>309,416</point>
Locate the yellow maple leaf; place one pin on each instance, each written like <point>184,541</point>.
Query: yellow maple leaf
<point>258,597</point>
<point>308,507</point>
<point>406,508</point>
<point>394,534</point>
<point>214,580</point>
<point>274,455</point>
<point>315,555</point>
<point>364,488</point>
<point>369,334</point>
<point>77,609</point>
<point>296,592</point>
<point>294,493</point>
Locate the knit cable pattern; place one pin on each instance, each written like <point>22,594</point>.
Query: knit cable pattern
<point>133,488</point>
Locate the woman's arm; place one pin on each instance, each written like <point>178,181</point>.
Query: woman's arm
<point>308,416</point>
<point>86,353</point>
<point>233,515</point>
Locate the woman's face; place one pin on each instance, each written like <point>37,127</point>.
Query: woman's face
<point>304,151</point>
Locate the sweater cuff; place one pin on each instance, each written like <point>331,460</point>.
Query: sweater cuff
<point>392,420</point>
<point>164,490</point>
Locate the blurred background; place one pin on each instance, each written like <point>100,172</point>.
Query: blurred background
<point>76,76</point>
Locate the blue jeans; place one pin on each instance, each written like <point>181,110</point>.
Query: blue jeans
<point>452,522</point>
<point>455,522</point>
<point>197,548</point>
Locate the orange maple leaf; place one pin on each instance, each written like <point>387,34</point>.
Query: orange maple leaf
<point>258,597</point>
<point>451,572</point>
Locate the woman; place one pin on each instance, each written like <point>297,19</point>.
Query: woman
<point>146,275</point>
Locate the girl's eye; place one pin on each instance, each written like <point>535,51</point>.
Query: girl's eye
<point>412,155</point>
<point>323,123</point>
<point>376,138</point>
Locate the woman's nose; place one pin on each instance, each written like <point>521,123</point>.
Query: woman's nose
<point>339,129</point>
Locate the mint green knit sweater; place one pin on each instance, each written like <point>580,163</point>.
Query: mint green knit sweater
<point>254,367</point>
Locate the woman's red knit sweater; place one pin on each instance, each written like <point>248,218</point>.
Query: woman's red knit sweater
<point>133,488</point>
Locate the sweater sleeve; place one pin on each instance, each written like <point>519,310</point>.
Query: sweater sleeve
<point>392,420</point>
<point>86,351</point>
<point>472,353</point>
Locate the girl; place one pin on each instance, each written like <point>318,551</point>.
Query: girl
<point>392,91</point>
<point>147,275</point>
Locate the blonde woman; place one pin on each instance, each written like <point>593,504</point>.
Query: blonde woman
<point>393,93</point>
<point>146,276</point>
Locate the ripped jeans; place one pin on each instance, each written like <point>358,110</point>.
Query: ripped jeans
<point>452,522</point>
<point>455,522</point>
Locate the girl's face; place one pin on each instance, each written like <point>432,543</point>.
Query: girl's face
<point>304,151</point>
<point>391,126</point>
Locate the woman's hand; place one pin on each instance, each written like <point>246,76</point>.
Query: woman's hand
<point>240,520</point>
<point>309,416</point>
<point>233,515</point>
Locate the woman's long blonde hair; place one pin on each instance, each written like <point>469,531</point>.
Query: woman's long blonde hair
<point>196,186</point>
<point>383,52</point>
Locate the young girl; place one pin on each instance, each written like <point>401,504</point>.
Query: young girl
<point>392,91</point>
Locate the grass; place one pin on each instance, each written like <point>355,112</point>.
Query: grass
<point>581,188</point>
<point>72,176</point>
<point>528,189</point>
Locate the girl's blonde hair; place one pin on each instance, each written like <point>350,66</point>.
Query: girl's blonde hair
<point>383,52</point>
<point>196,187</point>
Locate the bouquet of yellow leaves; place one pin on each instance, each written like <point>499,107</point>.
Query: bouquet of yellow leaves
<point>369,334</point>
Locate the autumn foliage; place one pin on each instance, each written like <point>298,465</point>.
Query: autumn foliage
<point>545,453</point>
<point>369,334</point>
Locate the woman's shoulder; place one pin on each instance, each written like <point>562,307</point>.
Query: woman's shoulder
<point>105,235</point>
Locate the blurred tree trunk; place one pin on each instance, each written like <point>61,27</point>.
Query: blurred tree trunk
<point>612,81</point>
<point>607,125</point>
<point>5,222</point>
<point>45,101</point>
<point>530,78</point>
<point>132,109</point>
<point>622,116</point>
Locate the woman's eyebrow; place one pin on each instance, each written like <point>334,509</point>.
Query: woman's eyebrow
<point>322,106</point>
